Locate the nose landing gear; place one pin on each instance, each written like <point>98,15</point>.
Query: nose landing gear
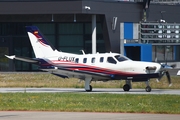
<point>148,88</point>
<point>127,86</point>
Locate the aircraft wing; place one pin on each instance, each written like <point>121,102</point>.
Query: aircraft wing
<point>64,72</point>
<point>25,59</point>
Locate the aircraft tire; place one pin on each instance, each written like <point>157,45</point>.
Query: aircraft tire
<point>90,90</point>
<point>126,87</point>
<point>148,89</point>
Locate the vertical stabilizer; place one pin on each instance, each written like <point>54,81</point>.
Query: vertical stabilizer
<point>42,48</point>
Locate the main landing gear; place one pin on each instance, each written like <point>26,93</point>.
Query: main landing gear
<point>127,86</point>
<point>88,87</point>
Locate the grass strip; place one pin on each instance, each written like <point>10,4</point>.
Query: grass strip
<point>78,102</point>
<point>47,80</point>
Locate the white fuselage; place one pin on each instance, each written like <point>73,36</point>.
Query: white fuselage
<point>105,61</point>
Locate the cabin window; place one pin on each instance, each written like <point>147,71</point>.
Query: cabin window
<point>101,59</point>
<point>93,60</point>
<point>111,60</point>
<point>77,60</point>
<point>85,60</point>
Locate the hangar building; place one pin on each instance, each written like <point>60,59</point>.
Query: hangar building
<point>140,29</point>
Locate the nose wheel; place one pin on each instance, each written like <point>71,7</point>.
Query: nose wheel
<point>148,88</point>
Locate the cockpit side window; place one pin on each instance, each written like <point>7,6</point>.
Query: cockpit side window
<point>120,58</point>
<point>111,60</point>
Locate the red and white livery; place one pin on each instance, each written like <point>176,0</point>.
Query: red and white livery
<point>90,67</point>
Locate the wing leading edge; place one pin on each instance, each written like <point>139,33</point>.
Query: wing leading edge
<point>25,59</point>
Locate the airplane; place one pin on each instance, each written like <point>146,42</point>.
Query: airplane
<point>91,67</point>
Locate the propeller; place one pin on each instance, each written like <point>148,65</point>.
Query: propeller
<point>165,68</point>
<point>168,78</point>
<point>162,73</point>
<point>165,71</point>
<point>173,65</point>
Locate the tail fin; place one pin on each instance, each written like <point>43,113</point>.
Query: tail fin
<point>41,46</point>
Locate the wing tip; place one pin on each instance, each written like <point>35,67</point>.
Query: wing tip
<point>10,57</point>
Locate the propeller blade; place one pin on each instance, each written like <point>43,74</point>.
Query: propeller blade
<point>161,74</point>
<point>168,78</point>
<point>173,65</point>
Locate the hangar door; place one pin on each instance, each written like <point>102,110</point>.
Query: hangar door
<point>133,52</point>
<point>138,52</point>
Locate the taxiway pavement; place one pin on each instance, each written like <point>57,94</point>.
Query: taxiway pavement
<point>95,90</point>
<point>34,115</point>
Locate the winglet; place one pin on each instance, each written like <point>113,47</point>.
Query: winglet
<point>10,57</point>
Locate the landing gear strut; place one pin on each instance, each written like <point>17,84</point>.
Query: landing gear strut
<point>88,87</point>
<point>148,88</point>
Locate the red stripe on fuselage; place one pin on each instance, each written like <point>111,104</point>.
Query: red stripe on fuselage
<point>87,68</point>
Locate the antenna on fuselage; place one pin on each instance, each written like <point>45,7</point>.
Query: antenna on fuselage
<point>82,52</point>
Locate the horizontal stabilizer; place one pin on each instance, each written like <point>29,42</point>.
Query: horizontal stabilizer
<point>25,59</point>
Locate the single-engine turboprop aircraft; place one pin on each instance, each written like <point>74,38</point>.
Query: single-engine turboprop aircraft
<point>91,67</point>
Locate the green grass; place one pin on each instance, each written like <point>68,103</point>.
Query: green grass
<point>47,80</point>
<point>82,102</point>
<point>77,102</point>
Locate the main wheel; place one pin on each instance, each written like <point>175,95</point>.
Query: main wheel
<point>148,89</point>
<point>90,89</point>
<point>126,87</point>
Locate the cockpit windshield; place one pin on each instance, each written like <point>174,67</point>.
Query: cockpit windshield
<point>121,58</point>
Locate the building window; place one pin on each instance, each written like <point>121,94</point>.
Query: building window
<point>70,37</point>
<point>48,30</point>
<point>160,32</point>
<point>165,52</point>
<point>88,38</point>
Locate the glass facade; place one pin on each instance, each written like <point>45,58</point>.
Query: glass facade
<point>160,32</point>
<point>4,65</point>
<point>70,37</point>
<point>67,37</point>
<point>165,40</point>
